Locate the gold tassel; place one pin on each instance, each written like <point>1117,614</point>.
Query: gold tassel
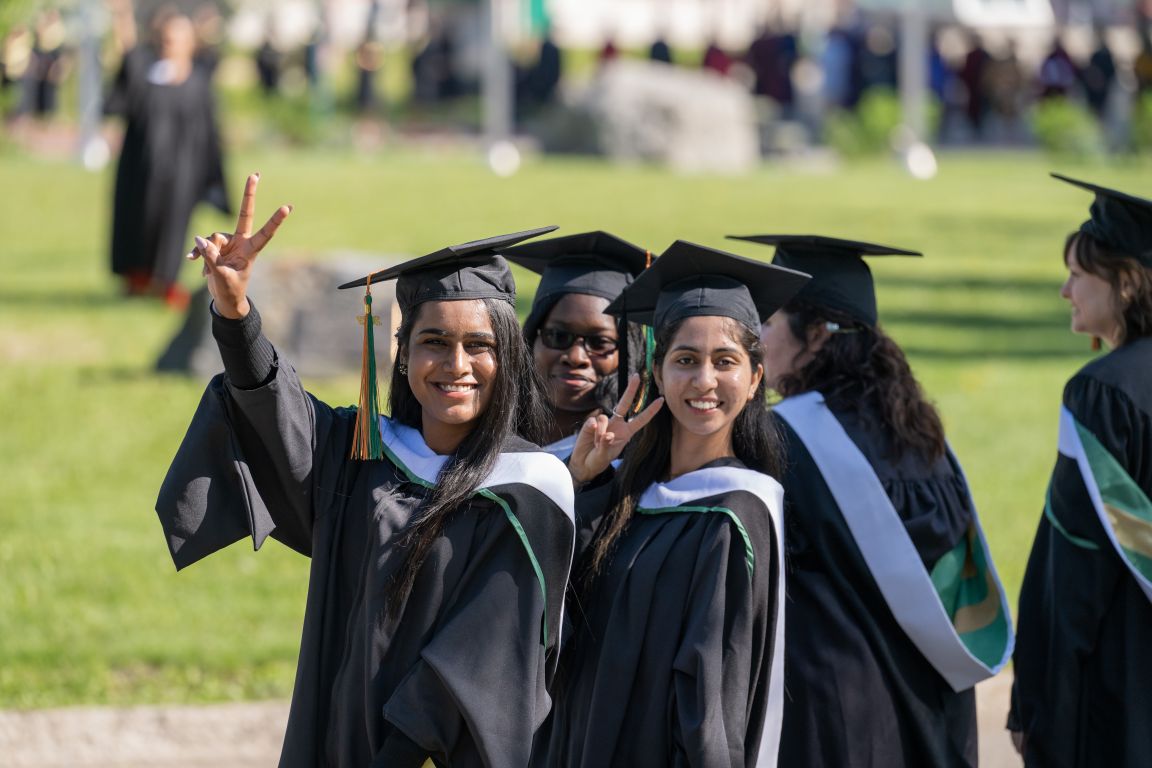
<point>366,441</point>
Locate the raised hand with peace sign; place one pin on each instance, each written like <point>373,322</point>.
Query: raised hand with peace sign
<point>228,258</point>
<point>602,439</point>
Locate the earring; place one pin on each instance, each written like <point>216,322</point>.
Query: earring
<point>403,368</point>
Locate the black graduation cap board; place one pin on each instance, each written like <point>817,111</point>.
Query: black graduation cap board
<point>590,263</point>
<point>689,280</point>
<point>1120,221</point>
<point>841,280</point>
<point>472,270</point>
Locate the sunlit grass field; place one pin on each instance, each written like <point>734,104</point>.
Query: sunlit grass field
<point>91,609</point>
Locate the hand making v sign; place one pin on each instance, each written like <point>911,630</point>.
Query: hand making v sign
<point>228,259</point>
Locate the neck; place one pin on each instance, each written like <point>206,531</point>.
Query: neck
<point>689,452</point>
<point>443,438</point>
<point>564,424</point>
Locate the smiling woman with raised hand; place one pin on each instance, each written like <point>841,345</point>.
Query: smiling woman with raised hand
<point>675,657</point>
<point>440,539</point>
<point>576,346</point>
<point>1083,690</point>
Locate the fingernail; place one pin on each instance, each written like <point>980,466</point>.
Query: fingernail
<point>191,255</point>
<point>257,175</point>
<point>291,208</point>
<point>201,243</point>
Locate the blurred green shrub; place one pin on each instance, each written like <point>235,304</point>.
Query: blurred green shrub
<point>1142,124</point>
<point>1066,128</point>
<point>869,130</point>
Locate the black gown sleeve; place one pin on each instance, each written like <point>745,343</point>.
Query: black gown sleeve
<point>1072,575</point>
<point>252,460</point>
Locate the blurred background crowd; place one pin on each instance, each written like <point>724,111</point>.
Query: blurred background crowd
<point>1069,77</point>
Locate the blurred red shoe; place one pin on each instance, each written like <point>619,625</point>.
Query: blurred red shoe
<point>177,297</point>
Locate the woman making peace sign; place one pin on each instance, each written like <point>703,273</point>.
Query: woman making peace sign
<point>437,570</point>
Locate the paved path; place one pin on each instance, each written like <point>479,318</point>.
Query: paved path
<point>248,735</point>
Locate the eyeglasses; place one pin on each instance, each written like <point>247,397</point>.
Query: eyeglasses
<point>554,338</point>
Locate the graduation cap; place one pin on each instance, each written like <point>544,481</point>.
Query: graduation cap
<point>841,280</point>
<point>472,270</point>
<point>690,280</point>
<point>1120,221</point>
<point>590,263</point>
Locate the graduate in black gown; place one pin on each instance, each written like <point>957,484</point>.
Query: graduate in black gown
<point>440,544</point>
<point>675,654</point>
<point>1083,690</point>
<point>171,158</point>
<point>894,611</point>
<point>576,346</point>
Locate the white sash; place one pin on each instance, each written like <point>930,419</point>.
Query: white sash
<point>537,469</point>
<point>714,481</point>
<point>1071,445</point>
<point>884,542</point>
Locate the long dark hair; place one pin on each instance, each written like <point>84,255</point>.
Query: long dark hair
<point>860,369</point>
<point>516,408</point>
<point>1134,312</point>
<point>756,442</point>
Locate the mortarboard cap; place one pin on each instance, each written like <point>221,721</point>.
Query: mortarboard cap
<point>840,278</point>
<point>473,270</point>
<point>690,280</point>
<point>1120,221</point>
<point>591,263</point>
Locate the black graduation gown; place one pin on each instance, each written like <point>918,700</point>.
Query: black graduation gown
<point>1083,691</point>
<point>857,691</point>
<point>669,658</point>
<point>463,675</point>
<point>170,161</point>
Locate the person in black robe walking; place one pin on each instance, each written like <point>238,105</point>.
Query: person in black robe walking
<point>1083,673</point>
<point>171,158</point>
<point>675,656</point>
<point>440,539</point>
<point>894,612</point>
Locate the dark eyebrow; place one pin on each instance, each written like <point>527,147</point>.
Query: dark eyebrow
<point>685,348</point>
<point>443,333</point>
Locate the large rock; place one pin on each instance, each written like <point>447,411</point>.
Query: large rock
<point>689,120</point>
<point>313,325</point>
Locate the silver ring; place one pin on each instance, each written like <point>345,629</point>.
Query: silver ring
<point>619,415</point>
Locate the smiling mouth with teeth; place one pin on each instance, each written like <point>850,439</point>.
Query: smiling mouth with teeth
<point>456,387</point>
<point>704,405</point>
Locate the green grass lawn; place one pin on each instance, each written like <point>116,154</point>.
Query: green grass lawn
<point>91,610</point>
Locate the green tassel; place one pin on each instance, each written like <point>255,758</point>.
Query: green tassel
<point>366,441</point>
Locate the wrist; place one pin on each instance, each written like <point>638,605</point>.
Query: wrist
<point>232,310</point>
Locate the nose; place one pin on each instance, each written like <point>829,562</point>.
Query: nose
<point>705,378</point>
<point>1066,289</point>
<point>457,362</point>
<point>576,355</point>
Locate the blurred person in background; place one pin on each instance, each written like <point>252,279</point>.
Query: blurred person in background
<point>973,76</point>
<point>894,609</point>
<point>660,51</point>
<point>1058,75</point>
<point>1083,690</point>
<point>171,158</point>
<point>15,58</point>
<point>1005,84</point>
<point>1099,75</point>
<point>47,67</point>
<point>771,57</point>
<point>716,59</point>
